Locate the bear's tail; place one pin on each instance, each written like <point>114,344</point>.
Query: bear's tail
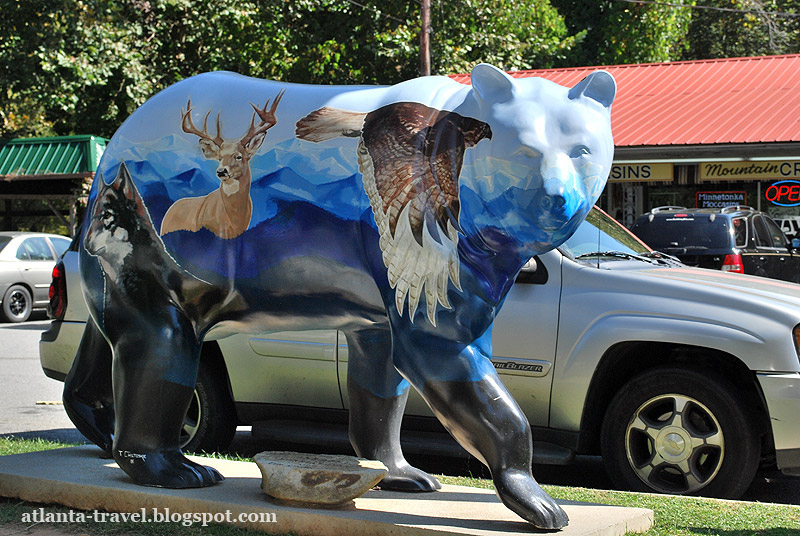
<point>328,123</point>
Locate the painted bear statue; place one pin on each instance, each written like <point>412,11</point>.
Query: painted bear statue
<point>399,215</point>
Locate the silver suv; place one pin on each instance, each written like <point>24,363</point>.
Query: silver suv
<point>686,380</point>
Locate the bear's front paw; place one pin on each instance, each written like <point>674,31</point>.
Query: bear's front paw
<point>521,493</point>
<point>165,469</point>
<point>408,478</point>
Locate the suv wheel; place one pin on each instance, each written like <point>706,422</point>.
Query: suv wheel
<point>675,430</point>
<point>210,421</point>
<point>17,304</point>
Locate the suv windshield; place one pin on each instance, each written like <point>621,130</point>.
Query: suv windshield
<point>602,233</point>
<point>694,231</point>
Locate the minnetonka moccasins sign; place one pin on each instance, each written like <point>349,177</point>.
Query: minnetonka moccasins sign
<point>751,171</point>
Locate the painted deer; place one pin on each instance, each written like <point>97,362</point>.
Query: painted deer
<point>226,211</point>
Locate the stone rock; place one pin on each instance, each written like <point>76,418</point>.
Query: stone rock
<point>317,479</point>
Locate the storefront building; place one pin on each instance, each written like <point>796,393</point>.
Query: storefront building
<point>57,172</point>
<point>708,133</point>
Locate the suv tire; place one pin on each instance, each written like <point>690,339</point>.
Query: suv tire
<point>677,430</point>
<point>210,422</point>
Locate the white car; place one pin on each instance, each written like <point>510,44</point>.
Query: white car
<point>26,267</point>
<point>686,380</point>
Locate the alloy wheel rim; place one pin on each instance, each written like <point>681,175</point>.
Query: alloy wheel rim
<point>191,421</point>
<point>18,304</point>
<point>675,444</point>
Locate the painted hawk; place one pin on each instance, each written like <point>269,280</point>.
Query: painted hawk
<point>410,157</point>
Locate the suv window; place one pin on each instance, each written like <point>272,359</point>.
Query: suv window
<point>681,230</point>
<point>762,235</point>
<point>35,249</point>
<point>740,232</point>
<point>768,234</point>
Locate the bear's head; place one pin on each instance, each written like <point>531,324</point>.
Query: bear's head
<point>548,159</point>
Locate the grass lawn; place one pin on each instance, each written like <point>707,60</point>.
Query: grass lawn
<point>674,516</point>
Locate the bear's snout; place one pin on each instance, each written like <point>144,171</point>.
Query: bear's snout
<point>560,199</point>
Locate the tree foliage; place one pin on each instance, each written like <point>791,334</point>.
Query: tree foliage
<point>507,33</point>
<point>58,59</point>
<point>750,28</point>
<point>82,66</point>
<point>615,32</point>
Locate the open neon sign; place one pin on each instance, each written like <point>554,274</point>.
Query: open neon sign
<point>784,193</point>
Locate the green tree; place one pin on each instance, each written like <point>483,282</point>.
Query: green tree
<point>77,67</point>
<point>614,32</point>
<point>510,34</point>
<point>66,67</point>
<point>82,66</point>
<point>180,38</point>
<point>743,28</point>
<point>336,41</point>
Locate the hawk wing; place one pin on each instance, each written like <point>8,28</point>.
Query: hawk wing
<point>410,157</point>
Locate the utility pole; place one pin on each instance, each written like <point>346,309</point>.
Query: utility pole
<point>425,40</point>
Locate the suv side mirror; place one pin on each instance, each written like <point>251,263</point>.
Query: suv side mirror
<point>533,273</point>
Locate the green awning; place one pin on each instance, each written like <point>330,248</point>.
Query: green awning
<point>67,156</point>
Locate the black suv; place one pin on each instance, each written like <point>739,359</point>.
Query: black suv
<point>734,239</point>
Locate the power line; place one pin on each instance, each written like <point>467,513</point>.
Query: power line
<point>714,8</point>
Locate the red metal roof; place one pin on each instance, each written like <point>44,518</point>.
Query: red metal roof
<point>734,100</point>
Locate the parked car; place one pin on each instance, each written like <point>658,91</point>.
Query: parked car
<point>733,239</point>
<point>790,225</point>
<point>26,267</point>
<point>684,380</point>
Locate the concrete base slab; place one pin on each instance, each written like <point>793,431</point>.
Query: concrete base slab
<point>78,478</point>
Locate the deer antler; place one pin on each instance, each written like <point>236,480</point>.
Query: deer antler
<point>188,125</point>
<point>267,117</point>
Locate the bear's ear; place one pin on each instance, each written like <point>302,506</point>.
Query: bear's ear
<point>491,84</point>
<point>599,86</point>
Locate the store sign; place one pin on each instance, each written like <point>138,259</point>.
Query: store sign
<point>784,193</point>
<point>750,171</point>
<point>640,172</point>
<point>720,199</point>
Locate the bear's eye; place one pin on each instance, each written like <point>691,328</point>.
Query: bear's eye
<point>579,151</point>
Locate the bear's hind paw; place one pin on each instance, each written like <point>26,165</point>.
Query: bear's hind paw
<point>166,469</point>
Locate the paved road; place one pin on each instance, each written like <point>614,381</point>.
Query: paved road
<point>29,400</point>
<point>30,407</point>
